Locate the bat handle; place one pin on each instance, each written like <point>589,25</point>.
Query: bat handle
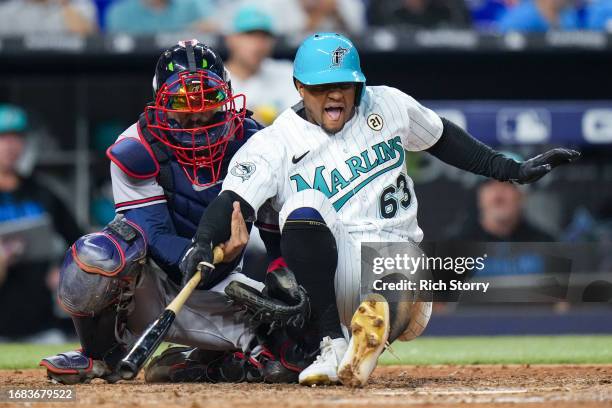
<point>181,298</point>
<point>217,255</point>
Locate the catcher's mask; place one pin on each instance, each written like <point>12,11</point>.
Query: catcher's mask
<point>195,114</point>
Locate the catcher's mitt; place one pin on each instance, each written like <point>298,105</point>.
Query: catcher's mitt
<point>282,303</point>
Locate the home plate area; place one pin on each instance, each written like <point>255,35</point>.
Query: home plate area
<point>390,386</point>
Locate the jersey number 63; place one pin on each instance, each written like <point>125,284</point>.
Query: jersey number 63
<point>393,196</point>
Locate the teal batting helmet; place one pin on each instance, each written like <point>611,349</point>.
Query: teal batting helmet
<point>327,58</point>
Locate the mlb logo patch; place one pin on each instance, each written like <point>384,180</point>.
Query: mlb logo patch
<point>523,125</point>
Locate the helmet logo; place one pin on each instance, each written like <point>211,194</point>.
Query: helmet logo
<point>243,170</point>
<point>337,56</point>
<point>375,121</point>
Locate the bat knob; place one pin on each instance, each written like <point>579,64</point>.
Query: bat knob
<point>128,370</point>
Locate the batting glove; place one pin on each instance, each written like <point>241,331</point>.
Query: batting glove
<point>198,252</point>
<point>535,168</point>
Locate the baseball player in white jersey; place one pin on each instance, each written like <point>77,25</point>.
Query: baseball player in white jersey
<point>334,168</point>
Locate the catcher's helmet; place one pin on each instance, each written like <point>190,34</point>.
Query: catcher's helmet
<point>177,59</point>
<point>195,113</point>
<point>326,58</point>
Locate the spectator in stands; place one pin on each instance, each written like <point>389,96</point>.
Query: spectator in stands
<point>266,82</point>
<point>500,216</point>
<point>599,16</point>
<point>347,16</point>
<point>47,17</point>
<point>427,14</point>
<point>29,212</point>
<point>298,18</point>
<point>153,16</point>
<point>541,16</point>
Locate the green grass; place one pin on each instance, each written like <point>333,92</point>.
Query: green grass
<point>502,350</point>
<point>425,350</point>
<point>16,355</point>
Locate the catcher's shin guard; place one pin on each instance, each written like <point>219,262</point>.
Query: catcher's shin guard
<point>97,280</point>
<point>98,357</point>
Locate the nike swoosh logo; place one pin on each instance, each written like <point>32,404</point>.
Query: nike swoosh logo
<point>295,160</point>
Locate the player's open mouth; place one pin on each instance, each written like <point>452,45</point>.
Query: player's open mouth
<point>334,112</point>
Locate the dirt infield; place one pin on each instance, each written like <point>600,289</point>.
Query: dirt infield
<point>483,386</point>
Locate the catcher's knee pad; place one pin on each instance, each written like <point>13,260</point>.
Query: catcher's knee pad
<point>98,265</point>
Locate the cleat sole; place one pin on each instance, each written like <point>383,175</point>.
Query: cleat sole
<point>370,331</point>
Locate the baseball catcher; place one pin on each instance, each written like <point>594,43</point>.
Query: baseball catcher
<point>166,169</point>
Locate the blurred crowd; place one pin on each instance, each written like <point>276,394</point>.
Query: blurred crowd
<point>299,17</point>
<point>35,225</point>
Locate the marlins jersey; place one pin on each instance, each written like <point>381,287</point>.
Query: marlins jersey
<point>360,169</point>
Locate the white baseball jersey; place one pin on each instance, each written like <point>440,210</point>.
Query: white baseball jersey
<point>360,169</point>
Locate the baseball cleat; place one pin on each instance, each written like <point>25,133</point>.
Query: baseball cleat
<point>181,364</point>
<point>74,367</point>
<point>189,364</point>
<point>370,330</point>
<point>324,370</point>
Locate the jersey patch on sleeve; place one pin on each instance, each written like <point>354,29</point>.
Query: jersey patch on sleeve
<point>133,158</point>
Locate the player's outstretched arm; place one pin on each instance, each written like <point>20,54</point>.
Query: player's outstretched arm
<point>215,228</point>
<point>459,149</point>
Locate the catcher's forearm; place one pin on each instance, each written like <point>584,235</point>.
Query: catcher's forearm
<point>457,148</point>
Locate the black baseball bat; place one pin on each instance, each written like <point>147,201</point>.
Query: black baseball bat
<point>152,337</point>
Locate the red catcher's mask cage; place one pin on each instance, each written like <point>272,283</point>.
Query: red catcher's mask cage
<point>196,115</point>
